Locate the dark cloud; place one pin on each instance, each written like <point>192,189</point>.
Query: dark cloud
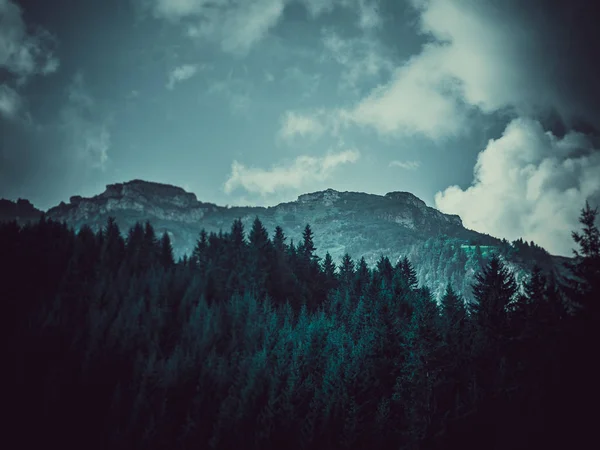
<point>537,58</point>
<point>538,61</point>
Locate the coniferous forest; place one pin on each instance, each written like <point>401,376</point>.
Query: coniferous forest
<point>255,342</point>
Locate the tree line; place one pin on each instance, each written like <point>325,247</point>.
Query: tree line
<point>254,342</point>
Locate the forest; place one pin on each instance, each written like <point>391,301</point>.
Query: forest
<point>254,342</point>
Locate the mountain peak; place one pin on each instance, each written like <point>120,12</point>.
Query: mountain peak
<point>149,189</point>
<point>406,197</point>
<point>139,197</point>
<point>328,197</point>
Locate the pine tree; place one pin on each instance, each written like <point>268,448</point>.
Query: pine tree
<point>113,249</point>
<point>409,273</point>
<point>135,241</point>
<point>258,237</point>
<point>200,253</point>
<point>362,277</point>
<point>236,259</point>
<point>165,257</point>
<point>583,287</point>
<point>422,367</point>
<point>308,246</point>
<point>149,250</point>
<point>331,278</point>
<point>260,258</point>
<point>385,269</point>
<point>279,239</point>
<point>493,290</point>
<point>453,308</point>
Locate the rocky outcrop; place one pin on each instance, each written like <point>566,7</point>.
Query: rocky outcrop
<point>152,200</point>
<point>362,224</point>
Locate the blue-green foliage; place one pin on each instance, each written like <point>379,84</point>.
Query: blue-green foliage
<point>253,343</point>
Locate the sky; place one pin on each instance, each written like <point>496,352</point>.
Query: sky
<point>486,109</point>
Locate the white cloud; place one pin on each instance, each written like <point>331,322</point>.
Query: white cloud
<point>10,102</point>
<point>529,183</point>
<point>21,53</point>
<point>22,56</point>
<point>181,73</point>
<point>237,25</point>
<point>318,7</point>
<point>87,137</point>
<point>295,124</point>
<point>362,58</point>
<point>521,56</point>
<point>418,99</point>
<point>408,165</point>
<point>313,124</point>
<point>483,55</point>
<point>369,17</point>
<point>299,174</point>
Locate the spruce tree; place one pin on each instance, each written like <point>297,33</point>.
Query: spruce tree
<point>165,257</point>
<point>493,290</point>
<point>329,272</point>
<point>260,258</point>
<point>410,274</point>
<point>583,286</point>
<point>362,277</point>
<point>200,253</point>
<point>279,239</point>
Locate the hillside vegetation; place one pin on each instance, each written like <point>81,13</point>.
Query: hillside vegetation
<point>252,341</point>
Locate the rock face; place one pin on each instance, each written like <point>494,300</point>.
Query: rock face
<point>152,200</point>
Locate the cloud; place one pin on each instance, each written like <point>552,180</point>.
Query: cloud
<point>408,165</point>
<point>318,7</point>
<point>313,124</point>
<point>538,60</point>
<point>302,172</point>
<point>181,73</point>
<point>295,124</point>
<point>362,58</point>
<point>369,17</point>
<point>531,184</point>
<point>417,100</point>
<point>10,102</point>
<point>531,58</point>
<point>24,54</point>
<point>236,25</point>
<point>87,136</point>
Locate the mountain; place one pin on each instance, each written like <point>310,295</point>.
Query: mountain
<point>363,225</point>
<point>22,211</point>
<point>360,224</point>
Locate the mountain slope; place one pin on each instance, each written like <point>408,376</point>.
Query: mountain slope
<point>363,225</point>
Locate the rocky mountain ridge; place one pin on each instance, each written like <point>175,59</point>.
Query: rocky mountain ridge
<point>363,225</point>
<point>182,215</point>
